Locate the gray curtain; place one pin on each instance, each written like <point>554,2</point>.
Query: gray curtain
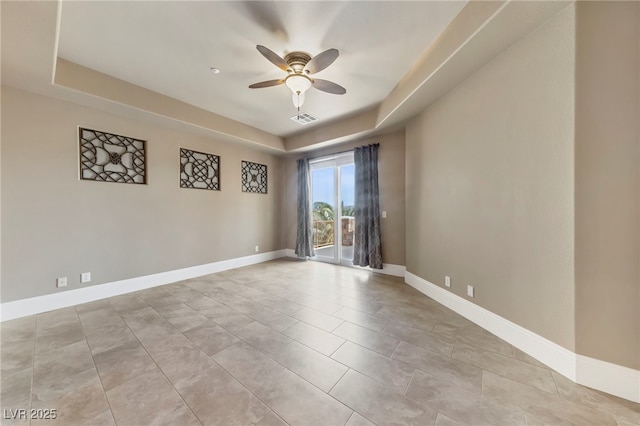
<point>367,250</point>
<point>304,238</point>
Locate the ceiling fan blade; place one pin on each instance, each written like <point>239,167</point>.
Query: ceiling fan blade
<point>328,86</point>
<point>273,57</point>
<point>267,83</point>
<point>321,61</point>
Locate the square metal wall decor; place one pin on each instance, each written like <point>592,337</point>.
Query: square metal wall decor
<point>105,157</point>
<point>199,170</point>
<point>254,177</point>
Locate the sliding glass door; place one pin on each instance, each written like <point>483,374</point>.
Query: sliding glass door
<point>332,195</point>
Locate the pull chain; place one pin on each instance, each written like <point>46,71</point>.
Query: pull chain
<point>298,92</point>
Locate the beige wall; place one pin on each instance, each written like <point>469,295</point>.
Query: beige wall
<point>608,182</point>
<point>524,181</point>
<point>55,225</point>
<point>391,185</point>
<point>490,181</point>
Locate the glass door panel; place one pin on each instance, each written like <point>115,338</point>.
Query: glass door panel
<point>323,196</point>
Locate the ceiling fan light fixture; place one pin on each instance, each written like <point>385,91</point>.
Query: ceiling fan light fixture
<point>298,83</point>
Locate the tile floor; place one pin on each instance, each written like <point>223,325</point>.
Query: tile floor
<point>283,342</point>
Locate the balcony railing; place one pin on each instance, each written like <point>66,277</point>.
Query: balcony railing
<point>323,232</point>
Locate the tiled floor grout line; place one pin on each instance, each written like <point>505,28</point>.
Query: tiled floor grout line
<point>293,372</point>
<point>409,382</point>
<point>247,315</point>
<point>482,387</point>
<point>84,332</point>
<point>338,348</point>
<point>250,300</point>
<point>211,357</point>
<point>349,419</point>
<point>385,327</point>
<point>266,355</point>
<point>514,406</point>
<point>525,384</point>
<point>555,383</point>
<point>453,349</point>
<point>330,357</point>
<point>246,388</point>
<point>361,415</point>
<point>395,349</point>
<point>155,363</point>
<point>289,370</point>
<point>368,376</point>
<point>334,328</point>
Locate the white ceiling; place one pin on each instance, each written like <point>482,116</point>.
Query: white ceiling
<point>139,78</point>
<point>169,47</point>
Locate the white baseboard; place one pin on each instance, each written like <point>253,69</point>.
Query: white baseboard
<point>387,268</point>
<point>291,253</point>
<point>607,377</point>
<point>544,350</point>
<point>604,376</point>
<point>49,302</point>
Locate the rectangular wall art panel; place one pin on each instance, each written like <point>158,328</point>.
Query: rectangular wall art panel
<point>106,157</point>
<point>254,177</point>
<point>199,170</point>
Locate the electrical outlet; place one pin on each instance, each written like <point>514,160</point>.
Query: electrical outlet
<point>470,290</point>
<point>85,277</point>
<point>61,282</point>
<point>384,214</point>
<point>257,249</point>
<point>447,281</point>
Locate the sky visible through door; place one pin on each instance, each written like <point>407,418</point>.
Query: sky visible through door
<point>323,185</point>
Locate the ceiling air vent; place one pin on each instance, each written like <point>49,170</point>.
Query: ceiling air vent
<point>304,118</point>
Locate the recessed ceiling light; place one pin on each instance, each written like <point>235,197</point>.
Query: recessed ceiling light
<point>215,70</point>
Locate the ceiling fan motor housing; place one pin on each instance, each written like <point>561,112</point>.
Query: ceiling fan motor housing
<point>297,60</point>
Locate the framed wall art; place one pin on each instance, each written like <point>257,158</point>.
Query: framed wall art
<point>107,157</point>
<point>254,177</point>
<point>199,170</point>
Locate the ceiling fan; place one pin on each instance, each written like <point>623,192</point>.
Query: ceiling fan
<point>299,66</point>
